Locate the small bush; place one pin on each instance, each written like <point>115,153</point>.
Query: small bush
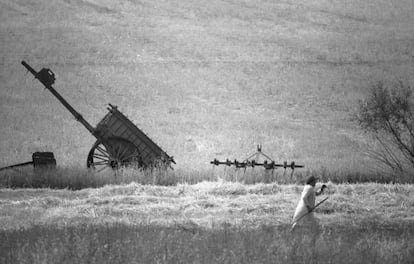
<point>387,115</point>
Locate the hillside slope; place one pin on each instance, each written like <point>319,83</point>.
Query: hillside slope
<point>205,79</point>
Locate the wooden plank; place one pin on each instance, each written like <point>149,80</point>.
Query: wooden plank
<point>143,151</point>
<point>120,131</point>
<point>115,126</point>
<point>127,134</point>
<point>121,126</point>
<point>141,135</point>
<point>110,121</point>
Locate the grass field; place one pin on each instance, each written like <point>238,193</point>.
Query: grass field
<point>205,80</point>
<point>209,222</point>
<point>121,243</point>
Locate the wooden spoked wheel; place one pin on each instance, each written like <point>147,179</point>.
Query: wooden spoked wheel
<point>113,154</point>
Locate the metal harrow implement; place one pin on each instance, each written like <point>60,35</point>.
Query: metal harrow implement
<point>268,163</point>
<point>119,142</point>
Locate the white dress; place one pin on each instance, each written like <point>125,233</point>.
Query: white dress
<point>307,200</point>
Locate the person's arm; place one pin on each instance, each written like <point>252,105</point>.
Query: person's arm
<point>321,190</point>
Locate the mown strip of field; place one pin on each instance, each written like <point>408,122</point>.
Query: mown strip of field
<point>204,205</point>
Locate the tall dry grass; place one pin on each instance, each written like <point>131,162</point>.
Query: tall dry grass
<point>118,243</point>
<point>76,178</point>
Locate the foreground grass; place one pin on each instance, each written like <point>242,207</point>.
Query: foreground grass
<point>119,243</point>
<point>209,222</point>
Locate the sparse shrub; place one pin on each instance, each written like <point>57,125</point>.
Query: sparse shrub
<point>387,114</point>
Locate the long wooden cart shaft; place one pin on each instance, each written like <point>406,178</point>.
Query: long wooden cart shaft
<point>16,165</point>
<point>48,86</point>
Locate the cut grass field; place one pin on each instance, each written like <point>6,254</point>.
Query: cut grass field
<point>203,204</point>
<point>210,222</point>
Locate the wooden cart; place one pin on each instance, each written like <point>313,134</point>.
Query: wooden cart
<point>119,142</point>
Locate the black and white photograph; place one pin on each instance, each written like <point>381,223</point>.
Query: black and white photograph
<point>206,132</point>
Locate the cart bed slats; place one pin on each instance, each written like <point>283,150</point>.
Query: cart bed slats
<point>116,124</point>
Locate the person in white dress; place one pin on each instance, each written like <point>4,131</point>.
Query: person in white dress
<point>304,215</point>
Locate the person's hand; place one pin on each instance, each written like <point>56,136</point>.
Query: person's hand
<point>323,187</point>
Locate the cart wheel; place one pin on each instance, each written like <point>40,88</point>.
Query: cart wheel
<point>113,154</point>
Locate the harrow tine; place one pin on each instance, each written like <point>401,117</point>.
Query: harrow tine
<point>268,163</point>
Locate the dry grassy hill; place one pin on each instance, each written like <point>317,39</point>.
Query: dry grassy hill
<point>204,79</point>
